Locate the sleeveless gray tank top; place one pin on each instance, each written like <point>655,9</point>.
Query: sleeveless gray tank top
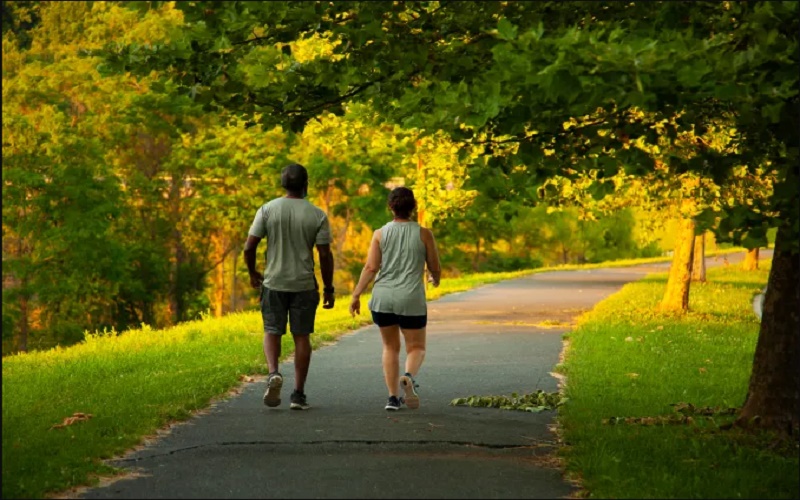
<point>398,287</point>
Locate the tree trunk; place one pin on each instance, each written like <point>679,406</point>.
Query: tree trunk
<point>773,398</point>
<point>219,274</point>
<point>233,282</point>
<point>676,297</point>
<point>175,299</point>
<point>342,239</point>
<point>477,255</point>
<point>750,260</point>
<point>23,324</point>
<point>699,259</point>
<point>22,328</point>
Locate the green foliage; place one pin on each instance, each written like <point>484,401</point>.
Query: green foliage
<point>497,76</point>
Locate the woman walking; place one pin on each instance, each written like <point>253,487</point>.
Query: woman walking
<point>398,254</point>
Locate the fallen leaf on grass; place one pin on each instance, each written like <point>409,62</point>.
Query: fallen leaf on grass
<point>702,369</point>
<point>628,339</point>
<point>76,417</point>
<point>632,375</point>
<point>245,378</point>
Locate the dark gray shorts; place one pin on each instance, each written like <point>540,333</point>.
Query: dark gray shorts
<point>299,308</point>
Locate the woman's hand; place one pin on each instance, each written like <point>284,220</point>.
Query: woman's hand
<point>355,306</point>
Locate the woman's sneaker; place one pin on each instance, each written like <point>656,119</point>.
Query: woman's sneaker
<point>409,386</point>
<point>299,401</point>
<point>272,397</point>
<point>393,404</point>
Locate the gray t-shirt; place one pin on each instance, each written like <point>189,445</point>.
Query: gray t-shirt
<point>399,287</point>
<point>292,227</point>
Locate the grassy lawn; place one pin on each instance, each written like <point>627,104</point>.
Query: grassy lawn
<point>624,360</point>
<point>135,383</point>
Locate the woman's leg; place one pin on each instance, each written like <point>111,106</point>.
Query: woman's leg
<point>415,355</point>
<point>391,357</point>
<point>415,349</point>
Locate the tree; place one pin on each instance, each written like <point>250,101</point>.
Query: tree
<point>516,72</point>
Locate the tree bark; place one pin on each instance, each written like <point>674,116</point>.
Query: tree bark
<point>699,259</point>
<point>175,295</point>
<point>177,258</point>
<point>342,239</point>
<point>23,324</point>
<point>477,255</point>
<point>219,274</point>
<point>233,282</point>
<point>773,398</point>
<point>750,260</point>
<point>676,296</point>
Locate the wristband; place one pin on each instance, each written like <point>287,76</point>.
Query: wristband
<point>328,289</point>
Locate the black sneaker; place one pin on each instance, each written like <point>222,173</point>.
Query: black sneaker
<point>299,401</point>
<point>272,397</point>
<point>393,404</point>
<point>409,386</point>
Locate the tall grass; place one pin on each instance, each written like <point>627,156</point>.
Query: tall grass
<point>625,360</point>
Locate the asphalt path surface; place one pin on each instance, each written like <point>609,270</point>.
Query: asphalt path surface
<point>494,340</point>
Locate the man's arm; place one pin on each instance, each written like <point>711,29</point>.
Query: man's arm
<point>256,278</point>
<point>326,269</point>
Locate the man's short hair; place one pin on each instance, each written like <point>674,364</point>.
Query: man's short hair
<point>294,178</point>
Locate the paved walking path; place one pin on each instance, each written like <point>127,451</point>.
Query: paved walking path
<point>488,341</point>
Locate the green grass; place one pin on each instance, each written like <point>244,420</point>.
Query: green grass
<point>135,383</point>
<point>624,360</point>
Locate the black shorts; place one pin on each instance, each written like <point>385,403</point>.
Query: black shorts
<point>405,322</point>
<point>299,308</point>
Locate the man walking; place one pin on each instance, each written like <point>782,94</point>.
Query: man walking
<point>289,289</point>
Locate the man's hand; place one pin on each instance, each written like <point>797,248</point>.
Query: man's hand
<point>355,306</point>
<point>256,279</point>
<point>432,281</point>
<point>328,299</point>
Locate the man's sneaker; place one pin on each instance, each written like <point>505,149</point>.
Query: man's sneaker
<point>393,404</point>
<point>299,401</point>
<point>272,397</point>
<point>409,386</point>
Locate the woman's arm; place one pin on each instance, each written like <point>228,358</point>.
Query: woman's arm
<point>371,268</point>
<point>432,257</point>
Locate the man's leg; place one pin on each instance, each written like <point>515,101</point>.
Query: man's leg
<point>302,360</point>
<point>274,315</point>
<point>302,316</point>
